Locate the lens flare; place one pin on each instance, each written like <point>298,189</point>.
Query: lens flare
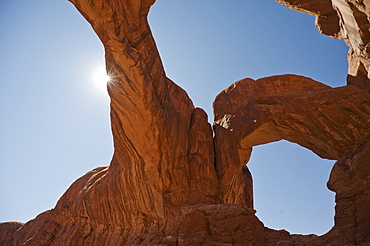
<point>101,78</point>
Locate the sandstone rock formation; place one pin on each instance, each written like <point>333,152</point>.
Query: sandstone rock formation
<point>174,181</point>
<point>347,20</point>
<point>332,122</point>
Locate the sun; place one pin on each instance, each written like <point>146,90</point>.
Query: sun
<point>101,78</point>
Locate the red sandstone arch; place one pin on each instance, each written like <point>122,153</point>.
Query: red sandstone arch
<point>332,122</point>
<point>162,185</point>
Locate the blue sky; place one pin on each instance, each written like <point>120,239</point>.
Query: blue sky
<point>54,123</point>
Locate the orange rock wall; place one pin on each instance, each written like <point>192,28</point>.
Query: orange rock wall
<point>347,20</point>
<point>175,181</point>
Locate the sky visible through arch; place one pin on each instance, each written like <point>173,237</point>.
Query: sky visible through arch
<point>55,122</point>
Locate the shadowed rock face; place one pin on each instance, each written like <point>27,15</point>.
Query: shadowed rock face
<point>174,181</point>
<point>347,20</point>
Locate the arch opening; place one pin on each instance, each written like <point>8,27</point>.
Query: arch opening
<point>289,186</point>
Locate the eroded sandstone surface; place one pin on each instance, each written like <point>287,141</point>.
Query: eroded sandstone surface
<point>347,20</point>
<point>174,180</point>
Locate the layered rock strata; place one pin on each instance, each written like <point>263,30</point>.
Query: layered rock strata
<point>175,181</point>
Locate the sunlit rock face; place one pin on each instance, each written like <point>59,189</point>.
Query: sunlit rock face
<point>175,181</point>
